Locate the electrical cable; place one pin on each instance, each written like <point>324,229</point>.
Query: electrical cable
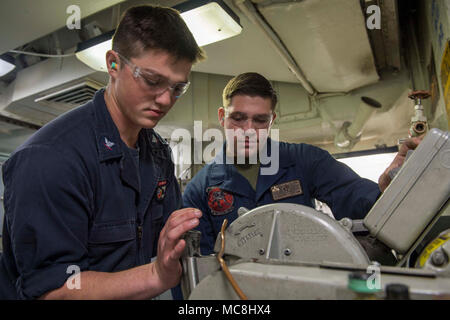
<point>44,55</point>
<point>224,266</point>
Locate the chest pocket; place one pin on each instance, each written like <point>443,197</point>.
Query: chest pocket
<point>112,246</point>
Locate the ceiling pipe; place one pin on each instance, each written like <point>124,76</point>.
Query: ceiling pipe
<point>350,133</point>
<point>249,10</point>
<point>269,3</point>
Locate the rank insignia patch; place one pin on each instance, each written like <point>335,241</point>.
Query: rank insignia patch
<point>219,201</point>
<point>108,144</point>
<point>161,190</point>
<point>286,190</point>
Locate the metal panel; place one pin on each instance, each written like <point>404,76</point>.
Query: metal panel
<point>26,20</point>
<point>291,232</point>
<point>328,40</point>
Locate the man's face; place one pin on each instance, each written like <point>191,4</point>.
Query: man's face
<point>141,106</point>
<point>248,119</point>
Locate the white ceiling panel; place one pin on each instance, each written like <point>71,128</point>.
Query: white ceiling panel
<point>328,40</point>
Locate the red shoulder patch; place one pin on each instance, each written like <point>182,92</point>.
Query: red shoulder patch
<point>220,202</point>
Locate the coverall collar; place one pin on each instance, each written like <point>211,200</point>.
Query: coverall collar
<point>110,146</point>
<point>228,178</point>
<point>109,143</point>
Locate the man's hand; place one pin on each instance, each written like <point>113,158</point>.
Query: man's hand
<point>170,246</point>
<point>142,282</point>
<point>408,144</point>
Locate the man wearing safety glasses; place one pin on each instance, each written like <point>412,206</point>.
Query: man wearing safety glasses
<point>304,172</point>
<point>91,197</point>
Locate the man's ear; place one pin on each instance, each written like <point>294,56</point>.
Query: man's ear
<point>221,114</point>
<point>112,63</point>
<point>274,115</point>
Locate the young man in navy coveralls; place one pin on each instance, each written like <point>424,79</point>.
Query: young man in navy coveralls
<point>305,172</point>
<point>94,190</point>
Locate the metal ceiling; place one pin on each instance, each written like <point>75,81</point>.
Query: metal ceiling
<point>327,39</point>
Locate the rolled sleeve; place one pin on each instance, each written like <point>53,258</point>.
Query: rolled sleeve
<point>334,183</point>
<point>47,209</point>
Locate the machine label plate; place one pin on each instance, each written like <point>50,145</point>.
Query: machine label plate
<point>286,190</point>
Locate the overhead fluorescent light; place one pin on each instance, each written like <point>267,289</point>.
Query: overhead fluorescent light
<point>93,51</point>
<point>209,21</point>
<point>6,65</point>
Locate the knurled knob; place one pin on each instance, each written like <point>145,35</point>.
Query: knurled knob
<point>420,94</point>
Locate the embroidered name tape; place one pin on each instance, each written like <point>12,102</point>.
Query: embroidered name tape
<point>286,190</point>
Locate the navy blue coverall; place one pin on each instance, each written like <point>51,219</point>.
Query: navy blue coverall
<point>219,190</point>
<point>76,196</point>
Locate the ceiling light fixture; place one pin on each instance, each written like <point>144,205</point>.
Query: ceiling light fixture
<point>209,21</point>
<point>93,51</point>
